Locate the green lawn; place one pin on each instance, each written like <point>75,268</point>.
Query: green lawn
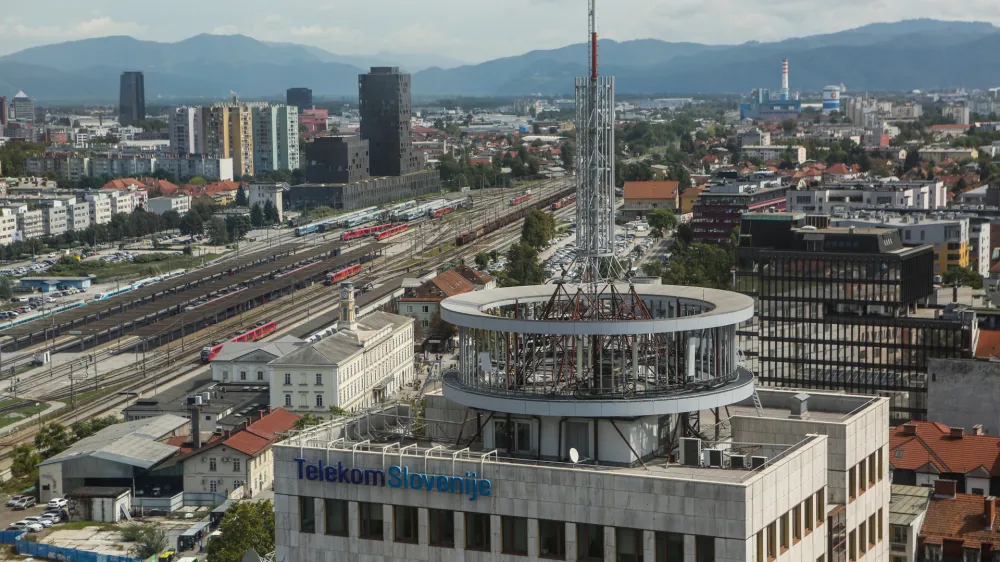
<point>107,271</point>
<point>25,412</point>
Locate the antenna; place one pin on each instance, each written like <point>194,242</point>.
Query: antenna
<point>574,455</point>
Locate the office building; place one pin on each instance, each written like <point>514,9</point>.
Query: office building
<point>337,159</point>
<point>950,237</point>
<point>364,193</point>
<point>22,108</point>
<point>275,138</point>
<point>838,309</point>
<point>721,205</point>
<point>301,98</point>
<point>131,98</point>
<point>385,106</point>
<point>830,198</point>
<point>361,365</point>
<point>4,111</point>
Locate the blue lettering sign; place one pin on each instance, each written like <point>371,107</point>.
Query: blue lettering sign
<point>396,477</point>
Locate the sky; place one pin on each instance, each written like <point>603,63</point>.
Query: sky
<point>460,29</point>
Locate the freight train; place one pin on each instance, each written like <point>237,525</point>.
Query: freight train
<point>510,218</point>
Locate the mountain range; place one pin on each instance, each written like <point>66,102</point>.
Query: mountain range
<point>895,56</point>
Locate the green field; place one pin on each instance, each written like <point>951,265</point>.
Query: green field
<point>27,411</point>
<point>108,271</point>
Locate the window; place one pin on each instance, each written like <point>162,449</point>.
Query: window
<point>933,552</point>
<point>370,521</point>
<point>852,546</point>
<point>477,531</point>
<point>211,465</point>
<point>336,518</point>
<point>236,465</point>
<point>907,234</point>
<point>515,437</point>
<point>783,520</point>
<point>923,235</point>
<point>852,482</point>
<point>862,538</point>
<point>319,379</point>
<point>772,541</point>
<point>243,375</point>
<point>809,515</point>
<point>288,400</point>
<point>820,506</point>
<point>628,545</point>
<point>551,539</point>
<point>898,533</point>
<point>704,548</point>
<point>225,375</point>
<point>978,491</point>
<point>213,486</point>
<point>760,548</point>
<point>260,375</point>
<point>796,524</point>
<point>514,534</point>
<point>319,400</point>
<point>441,524</point>
<point>589,542</point>
<point>861,477</point>
<point>405,519</point>
<point>307,515</point>
<point>871,469</point>
<point>871,529</point>
<point>879,456</point>
<point>288,378</point>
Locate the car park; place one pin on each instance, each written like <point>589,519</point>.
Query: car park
<point>13,500</point>
<point>35,519</point>
<point>24,503</point>
<point>56,503</point>
<point>51,516</point>
<point>27,526</point>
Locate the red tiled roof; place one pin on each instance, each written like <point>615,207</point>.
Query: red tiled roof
<point>933,444</point>
<point>451,283</point>
<point>651,189</point>
<point>260,434</point>
<point>961,518</point>
<point>989,340</point>
<point>838,170</point>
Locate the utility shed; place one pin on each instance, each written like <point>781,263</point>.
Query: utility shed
<point>107,504</point>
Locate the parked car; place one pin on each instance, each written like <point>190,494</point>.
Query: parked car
<point>51,516</point>
<point>25,503</point>
<point>56,503</point>
<point>43,522</point>
<point>13,500</point>
<point>27,526</point>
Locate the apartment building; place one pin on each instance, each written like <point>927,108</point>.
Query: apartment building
<point>187,131</point>
<point>78,215</point>
<point>753,137</point>
<point>100,208</point>
<point>275,137</point>
<point>208,167</point>
<point>241,139</point>
<point>179,203</point>
<point>121,165</point>
<point>833,197</point>
<point>938,155</point>
<point>54,217</point>
<point>8,226</point>
<point>775,152</point>
<point>30,223</point>
<point>122,202</point>
<point>950,237</point>
<point>261,193</point>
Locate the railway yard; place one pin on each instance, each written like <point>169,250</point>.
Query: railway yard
<point>109,352</point>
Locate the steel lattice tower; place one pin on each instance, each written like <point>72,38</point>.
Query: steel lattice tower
<point>595,211</point>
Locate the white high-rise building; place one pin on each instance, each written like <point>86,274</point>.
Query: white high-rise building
<point>187,131</point>
<point>275,138</point>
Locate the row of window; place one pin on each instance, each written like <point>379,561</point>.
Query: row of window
<point>863,475</point>
<point>213,467</point>
<point>243,376</point>
<point>860,540</point>
<point>551,540</point>
<point>787,530</point>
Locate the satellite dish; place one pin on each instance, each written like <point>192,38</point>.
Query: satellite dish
<point>574,455</point>
<point>251,556</point>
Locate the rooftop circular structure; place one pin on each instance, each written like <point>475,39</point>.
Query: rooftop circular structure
<point>601,350</point>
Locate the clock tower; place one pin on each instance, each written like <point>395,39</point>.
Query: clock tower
<point>348,314</point>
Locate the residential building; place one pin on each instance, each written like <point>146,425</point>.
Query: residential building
<point>922,452</point>
<point>950,237</point>
<point>959,526</point>
<point>122,202</point>
<point>362,364</point>
<point>766,153</point>
<point>218,137</point>
<point>753,137</point>
<point>938,155</point>
<point>641,197</point>
<point>243,457</point>
<point>187,131</point>
<point>261,193</point>
<point>8,226</point>
<point>22,108</point>
<point>179,203</point>
<point>386,109</point>
<point>121,165</point>
<point>907,511</point>
<point>100,208</point>
<point>78,215</point>
<point>275,137</point>
<point>54,221</point>
<point>30,224</point>
<point>423,303</point>
<point>720,207</point>
<point>820,325</point>
<point>209,167</point>
<point>958,113</point>
<point>241,138</point>
<point>246,363</point>
<point>831,198</point>
<point>826,494</point>
<point>300,98</point>
<point>131,98</point>
<point>337,159</point>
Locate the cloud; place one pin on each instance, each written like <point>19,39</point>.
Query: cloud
<point>225,30</point>
<point>96,27</point>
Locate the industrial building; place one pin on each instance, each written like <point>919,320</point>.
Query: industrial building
<point>838,309</point>
<point>831,99</point>
<point>131,98</point>
<point>762,107</point>
<point>223,406</point>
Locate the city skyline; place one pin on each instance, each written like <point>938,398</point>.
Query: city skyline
<point>460,31</point>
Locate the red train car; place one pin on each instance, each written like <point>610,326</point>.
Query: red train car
<point>256,332</point>
<point>564,202</point>
<point>520,199</point>
<point>393,232</point>
<point>364,232</point>
<point>338,276</point>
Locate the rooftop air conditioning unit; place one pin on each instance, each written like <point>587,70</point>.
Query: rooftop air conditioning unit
<point>738,462</point>
<point>757,462</point>
<point>713,457</point>
<point>690,451</point>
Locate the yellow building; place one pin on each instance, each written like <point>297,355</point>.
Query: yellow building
<point>949,236</point>
<point>229,134</point>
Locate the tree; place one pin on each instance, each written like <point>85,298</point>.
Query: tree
<point>6,292</point>
<point>308,420</point>
<point>24,459</point>
<point>539,227</point>
<point>217,231</point>
<point>663,220</point>
<point>338,411</point>
<point>241,197</point>
<point>149,541</point>
<point>53,439</point>
<point>522,266</point>
<point>700,265</point>
<point>256,215</point>
<point>191,223</point>
<point>482,261</point>
<point>270,212</point>
<point>246,526</point>
<point>568,155</point>
<point>653,268</point>
<point>684,233</point>
<point>789,125</point>
<point>912,160</point>
<point>963,276</point>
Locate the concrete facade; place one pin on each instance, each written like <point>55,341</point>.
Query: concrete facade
<point>261,193</point>
<point>964,393</point>
<point>78,215</point>
<point>766,153</point>
<point>831,198</point>
<point>339,159</point>
<point>367,193</point>
<point>30,223</point>
<point>275,138</point>
<point>160,205</point>
<point>100,208</point>
<point>8,226</point>
<point>54,218</point>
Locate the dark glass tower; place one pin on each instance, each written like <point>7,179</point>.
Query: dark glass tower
<point>131,98</point>
<point>301,98</point>
<point>385,121</point>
